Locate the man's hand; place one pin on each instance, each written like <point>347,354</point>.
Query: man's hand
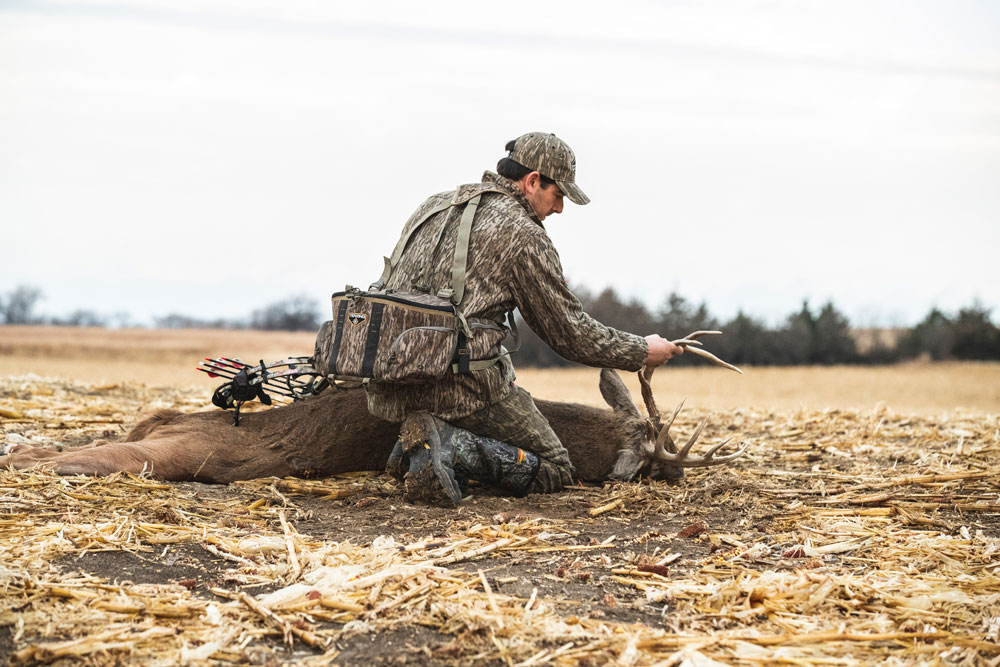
<point>661,350</point>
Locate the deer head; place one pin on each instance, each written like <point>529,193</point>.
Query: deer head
<point>652,452</point>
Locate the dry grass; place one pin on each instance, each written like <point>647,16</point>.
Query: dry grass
<point>156,357</point>
<point>921,388</point>
<point>168,358</point>
<point>841,538</point>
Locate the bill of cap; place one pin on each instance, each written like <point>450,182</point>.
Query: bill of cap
<point>573,191</point>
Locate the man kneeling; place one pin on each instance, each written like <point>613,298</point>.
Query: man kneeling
<point>480,425</point>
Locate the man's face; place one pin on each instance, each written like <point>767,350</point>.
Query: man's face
<point>546,200</point>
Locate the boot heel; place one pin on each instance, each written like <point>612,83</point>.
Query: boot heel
<point>398,462</point>
<point>430,479</point>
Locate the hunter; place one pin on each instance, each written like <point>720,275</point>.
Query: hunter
<point>481,425</point>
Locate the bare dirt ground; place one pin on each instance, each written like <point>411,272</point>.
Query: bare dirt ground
<point>844,536</point>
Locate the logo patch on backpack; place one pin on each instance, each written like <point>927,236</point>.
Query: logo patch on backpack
<point>356,318</point>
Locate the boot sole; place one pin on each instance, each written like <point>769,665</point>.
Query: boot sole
<point>428,480</point>
<point>423,487</point>
<point>397,466</point>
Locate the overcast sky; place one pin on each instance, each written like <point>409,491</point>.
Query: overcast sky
<point>210,157</point>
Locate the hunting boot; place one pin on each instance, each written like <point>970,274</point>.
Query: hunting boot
<point>443,458</point>
<point>398,462</point>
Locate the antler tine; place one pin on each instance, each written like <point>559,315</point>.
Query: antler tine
<point>647,394</point>
<point>728,457</point>
<point>699,334</point>
<point>677,411</point>
<point>714,359</point>
<point>670,422</point>
<point>683,459</point>
<point>693,439</point>
<point>689,342</point>
<point>664,436</point>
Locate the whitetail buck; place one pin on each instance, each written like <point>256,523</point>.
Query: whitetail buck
<point>333,433</point>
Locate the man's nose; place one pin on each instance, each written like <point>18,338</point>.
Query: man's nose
<point>559,206</point>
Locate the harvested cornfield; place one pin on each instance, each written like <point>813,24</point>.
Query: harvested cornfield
<point>841,537</point>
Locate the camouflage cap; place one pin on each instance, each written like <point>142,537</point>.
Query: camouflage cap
<point>550,156</point>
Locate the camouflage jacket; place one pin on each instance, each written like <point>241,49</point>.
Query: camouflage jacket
<point>511,264</point>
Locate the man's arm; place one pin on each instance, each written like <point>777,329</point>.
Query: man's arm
<point>556,315</point>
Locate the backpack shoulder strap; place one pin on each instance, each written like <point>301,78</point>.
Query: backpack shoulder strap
<point>460,262</point>
<point>461,197</point>
<point>397,252</point>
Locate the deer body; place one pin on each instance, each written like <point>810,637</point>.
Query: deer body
<point>333,433</point>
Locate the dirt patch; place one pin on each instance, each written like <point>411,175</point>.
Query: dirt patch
<point>401,646</point>
<point>188,565</point>
<point>6,643</point>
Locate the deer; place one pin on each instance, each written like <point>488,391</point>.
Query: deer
<point>332,432</point>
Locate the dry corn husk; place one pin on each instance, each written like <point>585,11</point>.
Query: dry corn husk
<point>881,546</point>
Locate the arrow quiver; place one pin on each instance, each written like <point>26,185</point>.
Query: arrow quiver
<point>383,335</point>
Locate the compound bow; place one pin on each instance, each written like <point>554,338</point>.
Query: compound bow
<point>292,378</point>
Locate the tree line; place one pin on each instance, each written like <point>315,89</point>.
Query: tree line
<point>808,335</point>
<point>295,313</point>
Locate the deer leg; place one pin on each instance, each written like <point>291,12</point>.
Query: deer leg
<point>20,457</point>
<point>160,458</point>
<point>101,459</point>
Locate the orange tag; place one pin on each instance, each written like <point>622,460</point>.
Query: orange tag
<point>520,456</point>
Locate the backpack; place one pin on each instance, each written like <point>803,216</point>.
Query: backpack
<point>380,335</point>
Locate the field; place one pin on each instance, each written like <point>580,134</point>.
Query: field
<point>863,526</point>
<point>168,358</point>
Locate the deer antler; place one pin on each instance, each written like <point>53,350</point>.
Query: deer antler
<point>665,450</point>
<point>689,342</point>
<point>683,458</point>
<point>647,394</point>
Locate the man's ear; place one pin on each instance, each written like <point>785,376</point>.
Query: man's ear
<point>532,181</point>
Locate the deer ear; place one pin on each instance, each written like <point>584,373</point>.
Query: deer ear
<point>627,466</point>
<point>616,394</point>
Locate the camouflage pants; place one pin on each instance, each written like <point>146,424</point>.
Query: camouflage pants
<point>516,421</point>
